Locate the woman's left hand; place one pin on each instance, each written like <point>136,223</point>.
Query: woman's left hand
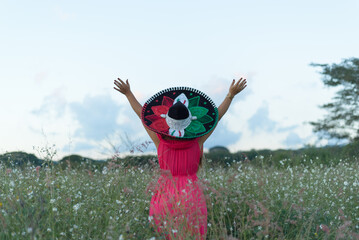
<point>122,87</point>
<point>236,88</point>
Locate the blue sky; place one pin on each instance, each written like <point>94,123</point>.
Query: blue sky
<point>59,59</point>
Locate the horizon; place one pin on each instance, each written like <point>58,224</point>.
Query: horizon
<point>144,153</point>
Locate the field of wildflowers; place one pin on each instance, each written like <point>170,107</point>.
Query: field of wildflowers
<point>245,201</point>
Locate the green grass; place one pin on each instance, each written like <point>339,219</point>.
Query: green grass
<point>244,201</point>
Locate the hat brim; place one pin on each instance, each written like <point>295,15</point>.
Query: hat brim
<point>199,104</point>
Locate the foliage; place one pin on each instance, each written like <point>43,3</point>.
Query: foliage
<point>244,201</point>
<point>77,161</point>
<point>342,119</point>
<point>19,159</point>
<point>328,156</point>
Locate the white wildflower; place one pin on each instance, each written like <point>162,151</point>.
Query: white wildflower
<point>77,206</point>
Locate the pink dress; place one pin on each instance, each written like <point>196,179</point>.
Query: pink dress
<point>178,207</point>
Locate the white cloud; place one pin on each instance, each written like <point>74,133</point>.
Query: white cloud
<point>260,120</point>
<point>293,140</point>
<point>63,15</point>
<point>96,116</point>
<point>53,106</point>
<point>222,136</point>
<point>40,77</point>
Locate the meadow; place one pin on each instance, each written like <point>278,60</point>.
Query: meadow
<point>244,200</point>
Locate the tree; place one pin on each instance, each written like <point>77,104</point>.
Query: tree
<point>342,120</point>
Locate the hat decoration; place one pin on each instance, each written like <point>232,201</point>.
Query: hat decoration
<point>180,112</point>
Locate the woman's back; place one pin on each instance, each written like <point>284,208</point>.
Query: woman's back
<point>181,157</point>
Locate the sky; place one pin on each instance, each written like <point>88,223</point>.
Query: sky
<point>59,59</point>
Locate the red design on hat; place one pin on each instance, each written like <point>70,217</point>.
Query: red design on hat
<point>160,125</point>
<point>160,109</point>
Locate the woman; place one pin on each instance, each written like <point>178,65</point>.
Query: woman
<point>179,120</point>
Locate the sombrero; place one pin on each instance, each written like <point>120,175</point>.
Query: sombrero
<point>180,112</point>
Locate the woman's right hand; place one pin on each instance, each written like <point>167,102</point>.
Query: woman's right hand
<point>236,88</point>
<point>122,87</point>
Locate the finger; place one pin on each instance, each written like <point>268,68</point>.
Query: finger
<point>127,82</point>
<point>240,80</point>
<point>233,82</point>
<point>243,82</point>
<point>117,89</point>
<point>241,86</point>
<point>120,80</point>
<point>118,84</point>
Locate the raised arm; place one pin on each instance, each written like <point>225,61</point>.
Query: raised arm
<point>124,88</point>
<point>234,89</point>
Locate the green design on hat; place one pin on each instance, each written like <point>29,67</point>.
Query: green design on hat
<point>198,111</point>
<point>205,119</point>
<point>193,102</point>
<point>195,127</point>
